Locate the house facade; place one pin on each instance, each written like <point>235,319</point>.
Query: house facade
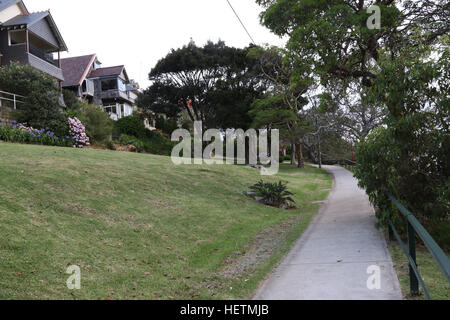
<point>108,87</point>
<point>30,38</point>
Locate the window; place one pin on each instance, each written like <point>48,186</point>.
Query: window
<point>122,85</point>
<point>109,84</point>
<point>110,109</point>
<point>17,37</point>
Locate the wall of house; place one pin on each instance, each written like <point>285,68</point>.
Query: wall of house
<point>10,12</point>
<point>128,110</point>
<point>42,29</point>
<point>11,53</point>
<point>97,92</point>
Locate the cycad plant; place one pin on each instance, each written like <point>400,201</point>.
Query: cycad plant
<point>273,194</point>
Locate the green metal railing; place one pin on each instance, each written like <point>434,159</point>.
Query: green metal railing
<point>415,228</point>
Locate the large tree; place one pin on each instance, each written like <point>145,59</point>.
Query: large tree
<point>334,38</point>
<point>404,65</point>
<point>282,106</point>
<point>215,84</point>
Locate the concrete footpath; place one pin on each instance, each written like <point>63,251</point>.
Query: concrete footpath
<point>331,260</point>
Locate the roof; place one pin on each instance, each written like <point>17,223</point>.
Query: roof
<point>26,19</point>
<point>7,3</point>
<point>106,72</point>
<point>31,18</point>
<point>75,69</point>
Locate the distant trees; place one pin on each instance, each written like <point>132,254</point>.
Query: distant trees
<point>215,84</point>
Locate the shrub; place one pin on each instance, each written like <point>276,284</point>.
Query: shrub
<point>156,143</point>
<point>70,99</point>
<point>131,126</point>
<point>41,108</point>
<point>168,126</point>
<point>420,183</point>
<point>99,125</point>
<point>131,131</point>
<point>130,140</point>
<point>17,132</point>
<point>285,158</point>
<point>110,145</point>
<point>78,133</point>
<point>273,194</point>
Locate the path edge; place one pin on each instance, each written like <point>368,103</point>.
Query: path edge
<point>300,241</point>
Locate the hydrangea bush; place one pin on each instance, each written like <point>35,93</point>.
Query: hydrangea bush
<point>78,133</point>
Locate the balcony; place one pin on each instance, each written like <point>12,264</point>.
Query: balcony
<point>114,94</point>
<point>47,57</point>
<point>45,66</point>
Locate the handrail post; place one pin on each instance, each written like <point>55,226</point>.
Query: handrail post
<point>14,98</point>
<point>413,281</point>
<point>390,231</point>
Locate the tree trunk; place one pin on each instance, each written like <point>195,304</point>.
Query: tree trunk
<point>293,154</point>
<point>299,148</point>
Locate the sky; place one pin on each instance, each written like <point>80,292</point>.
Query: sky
<point>138,33</point>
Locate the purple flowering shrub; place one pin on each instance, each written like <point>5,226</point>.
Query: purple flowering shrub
<point>78,133</point>
<point>20,133</point>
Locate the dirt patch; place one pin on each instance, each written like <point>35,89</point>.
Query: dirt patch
<point>263,247</point>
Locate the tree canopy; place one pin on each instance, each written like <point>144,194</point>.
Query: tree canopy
<point>398,74</point>
<point>214,84</point>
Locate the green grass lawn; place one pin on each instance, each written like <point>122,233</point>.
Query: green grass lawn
<point>138,226</point>
<point>435,280</point>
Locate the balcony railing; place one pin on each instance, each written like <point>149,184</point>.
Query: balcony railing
<point>47,57</point>
<point>11,100</point>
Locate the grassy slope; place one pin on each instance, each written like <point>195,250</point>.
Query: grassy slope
<point>435,280</point>
<point>138,226</point>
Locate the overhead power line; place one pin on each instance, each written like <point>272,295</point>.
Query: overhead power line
<point>243,25</point>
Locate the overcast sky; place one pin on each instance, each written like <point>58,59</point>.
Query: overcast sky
<point>137,33</point>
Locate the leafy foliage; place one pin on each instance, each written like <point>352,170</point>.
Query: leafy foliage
<point>132,126</point>
<point>280,108</point>
<point>19,133</point>
<point>154,144</point>
<point>404,69</point>
<point>42,107</point>
<point>167,126</point>
<point>410,156</point>
<point>273,194</point>
<point>131,131</point>
<point>215,84</point>
<point>99,126</point>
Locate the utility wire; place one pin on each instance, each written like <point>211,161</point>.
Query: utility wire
<point>243,25</point>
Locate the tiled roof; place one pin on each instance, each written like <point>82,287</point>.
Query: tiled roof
<point>106,72</point>
<point>26,19</point>
<point>75,69</point>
